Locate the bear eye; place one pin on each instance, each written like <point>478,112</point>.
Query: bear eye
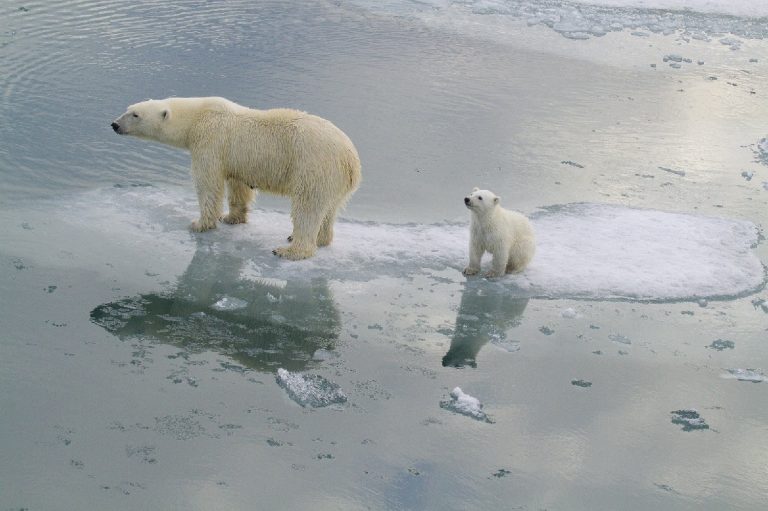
<point>479,198</point>
<point>135,115</point>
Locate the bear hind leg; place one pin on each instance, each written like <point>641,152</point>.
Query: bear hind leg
<point>325,236</point>
<point>240,197</point>
<point>306,226</point>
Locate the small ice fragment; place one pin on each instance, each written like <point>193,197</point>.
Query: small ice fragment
<point>702,302</point>
<point>228,303</point>
<point>673,57</point>
<point>546,330</point>
<point>622,339</point>
<point>310,389</point>
<point>569,313</point>
<point>675,65</point>
<point>689,419</point>
<point>753,375</point>
<point>466,405</point>
<point>748,174</point>
<point>673,171</point>
<point>323,354</point>
<point>722,344</point>
<point>274,299</point>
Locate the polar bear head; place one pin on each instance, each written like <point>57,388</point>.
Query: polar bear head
<point>481,201</point>
<point>153,120</point>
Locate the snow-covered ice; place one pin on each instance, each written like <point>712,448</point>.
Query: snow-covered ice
<point>310,389</point>
<point>596,251</point>
<point>465,404</point>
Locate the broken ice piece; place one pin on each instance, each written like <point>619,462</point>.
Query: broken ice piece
<point>228,303</point>
<point>753,375</point>
<point>466,405</point>
<point>689,419</point>
<point>748,175</point>
<point>310,389</point>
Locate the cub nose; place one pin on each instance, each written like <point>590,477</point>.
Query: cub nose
<point>115,126</point>
<point>466,200</point>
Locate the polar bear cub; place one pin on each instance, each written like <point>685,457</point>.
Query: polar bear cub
<point>507,235</point>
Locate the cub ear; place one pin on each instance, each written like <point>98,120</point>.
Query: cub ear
<point>166,114</point>
<point>475,189</point>
<point>496,200</point>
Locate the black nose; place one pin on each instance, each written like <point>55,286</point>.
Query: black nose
<point>115,126</point>
<point>466,200</point>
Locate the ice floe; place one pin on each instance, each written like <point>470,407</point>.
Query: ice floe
<point>594,251</point>
<point>310,390</point>
<point>689,419</point>
<point>465,404</point>
<point>753,375</point>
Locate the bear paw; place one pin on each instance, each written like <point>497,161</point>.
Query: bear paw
<point>198,226</point>
<point>470,271</point>
<point>232,218</point>
<point>292,253</point>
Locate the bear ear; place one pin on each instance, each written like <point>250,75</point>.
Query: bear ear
<point>166,114</point>
<point>496,200</point>
<point>475,189</point>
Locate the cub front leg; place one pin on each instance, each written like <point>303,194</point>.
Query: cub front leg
<point>209,185</point>
<point>499,263</point>
<point>475,256</point>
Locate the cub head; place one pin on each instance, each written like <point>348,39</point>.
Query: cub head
<point>481,201</point>
<point>148,119</point>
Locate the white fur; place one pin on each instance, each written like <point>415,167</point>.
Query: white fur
<point>281,151</point>
<point>507,235</point>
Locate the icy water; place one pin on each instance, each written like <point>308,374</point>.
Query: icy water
<point>146,367</point>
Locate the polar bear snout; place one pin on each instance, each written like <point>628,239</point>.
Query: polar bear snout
<point>466,201</point>
<point>116,127</point>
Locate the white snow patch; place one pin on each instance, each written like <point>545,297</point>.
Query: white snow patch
<point>229,303</point>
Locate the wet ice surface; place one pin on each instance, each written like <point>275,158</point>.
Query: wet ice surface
<point>310,389</point>
<point>138,361</point>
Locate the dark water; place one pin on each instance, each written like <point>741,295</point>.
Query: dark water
<point>138,361</point>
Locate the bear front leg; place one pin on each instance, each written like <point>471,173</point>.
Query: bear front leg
<point>240,197</point>
<point>499,263</point>
<point>209,185</point>
<point>475,256</point>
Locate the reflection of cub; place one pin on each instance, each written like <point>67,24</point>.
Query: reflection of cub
<point>507,235</point>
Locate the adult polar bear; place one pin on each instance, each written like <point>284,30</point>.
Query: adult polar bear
<point>281,151</point>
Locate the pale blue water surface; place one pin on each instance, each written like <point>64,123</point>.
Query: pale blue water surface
<point>139,361</point>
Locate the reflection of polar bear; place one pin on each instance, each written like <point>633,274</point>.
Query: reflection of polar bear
<point>507,235</point>
<point>281,151</point>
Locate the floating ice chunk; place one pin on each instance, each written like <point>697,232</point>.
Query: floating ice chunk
<point>748,175</point>
<point>753,375</point>
<point>673,57</point>
<point>310,389</point>
<point>673,171</point>
<point>466,405</point>
<point>722,344</point>
<point>689,419</point>
<point>621,339</point>
<point>569,313</point>
<point>229,303</point>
